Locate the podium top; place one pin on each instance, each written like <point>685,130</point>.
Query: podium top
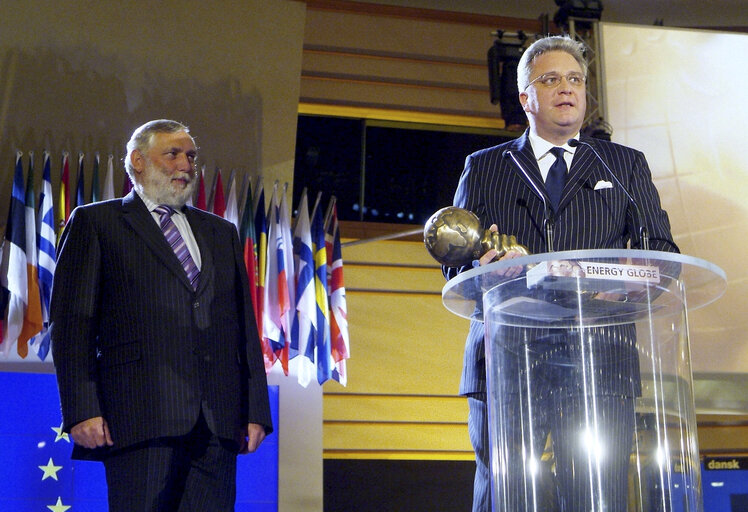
<point>615,285</point>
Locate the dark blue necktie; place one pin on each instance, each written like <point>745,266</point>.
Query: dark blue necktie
<point>556,179</point>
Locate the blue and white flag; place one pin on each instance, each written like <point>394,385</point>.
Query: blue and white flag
<point>322,334</point>
<point>305,318</point>
<point>47,259</point>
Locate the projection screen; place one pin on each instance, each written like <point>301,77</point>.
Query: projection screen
<point>679,96</point>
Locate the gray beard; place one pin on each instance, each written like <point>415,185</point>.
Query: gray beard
<point>157,190</point>
<point>174,199</point>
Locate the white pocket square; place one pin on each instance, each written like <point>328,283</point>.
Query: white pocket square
<point>603,184</point>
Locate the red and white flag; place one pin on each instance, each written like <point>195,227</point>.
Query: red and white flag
<point>339,341</point>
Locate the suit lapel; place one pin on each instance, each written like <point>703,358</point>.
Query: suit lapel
<point>583,164</point>
<point>204,238</point>
<point>140,219</point>
<point>522,150</point>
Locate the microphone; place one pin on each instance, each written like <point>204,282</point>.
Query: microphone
<point>548,214</point>
<point>643,234</point>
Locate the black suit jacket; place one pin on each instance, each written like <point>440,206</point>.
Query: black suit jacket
<point>134,343</point>
<point>494,189</point>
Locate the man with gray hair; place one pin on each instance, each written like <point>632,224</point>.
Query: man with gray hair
<point>517,186</point>
<point>154,339</point>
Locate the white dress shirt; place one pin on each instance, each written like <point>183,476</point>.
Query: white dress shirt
<point>542,149</point>
<point>180,221</point>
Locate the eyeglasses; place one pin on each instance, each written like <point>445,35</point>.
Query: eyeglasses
<point>553,79</point>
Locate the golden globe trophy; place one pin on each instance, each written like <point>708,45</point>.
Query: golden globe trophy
<point>454,237</point>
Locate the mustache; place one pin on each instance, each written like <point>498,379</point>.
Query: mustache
<point>189,178</point>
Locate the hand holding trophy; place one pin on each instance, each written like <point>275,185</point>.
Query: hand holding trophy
<point>454,237</point>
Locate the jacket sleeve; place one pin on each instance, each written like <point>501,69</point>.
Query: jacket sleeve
<point>654,218</point>
<point>257,401</point>
<point>73,320</point>
<point>468,196</point>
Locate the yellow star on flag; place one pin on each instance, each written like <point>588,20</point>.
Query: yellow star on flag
<point>58,507</point>
<point>61,434</point>
<point>50,470</point>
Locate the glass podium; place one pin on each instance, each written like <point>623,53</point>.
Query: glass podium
<point>590,395</point>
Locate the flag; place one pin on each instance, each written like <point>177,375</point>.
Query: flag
<point>95,189</point>
<point>107,192</point>
<point>322,335</point>
<point>260,220</point>
<point>286,279</point>
<point>242,197</point>
<point>32,318</point>
<point>46,259</point>
<point>80,198</point>
<point>126,185</point>
<point>219,202</point>
<point>211,191</point>
<point>13,272</point>
<point>305,319</point>
<point>288,261</point>
<point>232,210</point>
<point>249,246</point>
<point>200,202</point>
<point>276,300</point>
<point>339,341</point>
<point>64,208</point>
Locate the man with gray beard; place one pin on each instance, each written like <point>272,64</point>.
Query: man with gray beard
<point>154,339</point>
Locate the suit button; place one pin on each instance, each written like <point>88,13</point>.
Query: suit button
<point>206,358</point>
<point>195,305</point>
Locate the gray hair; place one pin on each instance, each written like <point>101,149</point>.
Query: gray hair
<point>142,138</point>
<point>548,44</point>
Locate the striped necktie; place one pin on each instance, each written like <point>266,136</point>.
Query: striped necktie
<point>175,240</point>
<point>556,179</point>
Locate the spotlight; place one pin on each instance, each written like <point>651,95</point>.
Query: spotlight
<point>503,58</point>
<point>589,10</point>
<point>598,129</point>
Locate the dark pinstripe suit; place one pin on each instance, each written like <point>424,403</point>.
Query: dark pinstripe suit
<point>134,343</point>
<point>492,187</point>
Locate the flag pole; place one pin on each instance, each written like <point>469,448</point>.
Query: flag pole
<point>256,194</point>
<point>328,214</point>
<point>316,204</point>
<point>296,219</point>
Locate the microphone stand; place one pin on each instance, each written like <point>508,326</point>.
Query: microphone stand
<point>643,233</point>
<point>548,214</point>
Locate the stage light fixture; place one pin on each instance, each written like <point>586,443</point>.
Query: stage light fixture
<point>503,58</point>
<point>589,10</point>
<point>598,129</point>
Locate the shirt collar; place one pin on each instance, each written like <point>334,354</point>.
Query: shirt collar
<point>151,205</point>
<point>541,147</point>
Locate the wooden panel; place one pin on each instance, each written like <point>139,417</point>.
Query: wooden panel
<point>467,455</point>
<point>424,280</point>
<point>495,125</point>
<point>401,408</point>
<point>406,359</point>
<point>389,253</point>
<point>382,10</point>
<point>393,437</point>
<point>408,36</point>
<point>428,99</point>
<point>403,344</point>
<point>436,72</point>
<point>397,63</point>
<point>716,439</point>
